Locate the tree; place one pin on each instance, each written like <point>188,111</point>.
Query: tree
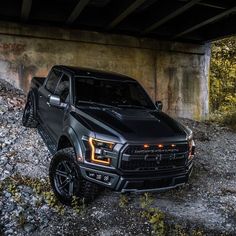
<point>223,75</point>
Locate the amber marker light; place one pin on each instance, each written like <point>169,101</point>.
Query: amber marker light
<point>110,145</point>
<point>146,146</point>
<point>160,145</point>
<point>94,158</point>
<point>173,145</point>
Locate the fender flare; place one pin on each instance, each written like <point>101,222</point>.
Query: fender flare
<point>71,135</point>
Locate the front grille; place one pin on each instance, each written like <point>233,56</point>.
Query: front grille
<point>138,158</point>
<point>152,165</point>
<point>154,149</point>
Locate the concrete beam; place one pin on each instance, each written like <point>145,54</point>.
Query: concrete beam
<point>206,22</point>
<point>77,11</point>
<point>170,16</point>
<point>211,4</point>
<point>80,36</point>
<point>127,11</point>
<point>25,9</point>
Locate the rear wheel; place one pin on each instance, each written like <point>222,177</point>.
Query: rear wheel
<point>66,181</point>
<point>29,116</point>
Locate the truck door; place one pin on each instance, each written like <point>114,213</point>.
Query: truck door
<point>44,92</point>
<point>57,115</point>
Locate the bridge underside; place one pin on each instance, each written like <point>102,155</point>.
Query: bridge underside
<point>180,20</point>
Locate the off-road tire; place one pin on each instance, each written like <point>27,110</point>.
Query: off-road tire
<point>83,190</point>
<point>29,118</point>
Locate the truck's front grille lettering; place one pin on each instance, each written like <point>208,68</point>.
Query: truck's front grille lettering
<point>137,158</point>
<point>167,148</point>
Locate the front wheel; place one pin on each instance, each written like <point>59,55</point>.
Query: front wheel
<point>66,181</point>
<point>29,116</point>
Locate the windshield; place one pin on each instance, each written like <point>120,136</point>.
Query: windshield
<point>94,91</point>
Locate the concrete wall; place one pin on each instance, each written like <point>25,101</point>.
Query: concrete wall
<point>182,82</point>
<point>175,73</point>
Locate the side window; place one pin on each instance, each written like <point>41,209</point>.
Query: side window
<point>52,81</point>
<point>63,88</point>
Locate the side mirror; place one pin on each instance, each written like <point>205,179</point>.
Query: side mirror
<point>159,105</point>
<point>55,101</point>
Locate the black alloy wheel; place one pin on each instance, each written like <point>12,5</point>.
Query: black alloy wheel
<point>66,180</point>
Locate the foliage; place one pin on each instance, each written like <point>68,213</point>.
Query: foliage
<point>161,225</point>
<point>79,205</point>
<point>123,201</point>
<point>21,219</point>
<point>178,230</point>
<point>154,216</point>
<point>227,118</point>
<point>230,119</point>
<point>223,75</point>
<point>41,188</point>
<point>146,200</point>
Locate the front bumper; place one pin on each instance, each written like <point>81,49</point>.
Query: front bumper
<point>139,181</point>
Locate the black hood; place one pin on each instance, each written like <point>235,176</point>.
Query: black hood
<point>137,124</point>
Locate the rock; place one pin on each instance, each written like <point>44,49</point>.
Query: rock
<point>27,189</point>
<point>10,207</point>
<point>29,228</point>
<point>9,232</point>
<point>9,168</point>
<point>3,160</point>
<point>7,194</point>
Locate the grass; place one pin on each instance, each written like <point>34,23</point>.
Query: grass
<point>155,217</point>
<point>40,188</point>
<point>161,223</point>
<point>123,200</point>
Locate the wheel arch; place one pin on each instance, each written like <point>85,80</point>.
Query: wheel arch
<point>70,139</point>
<point>64,142</point>
<point>34,94</point>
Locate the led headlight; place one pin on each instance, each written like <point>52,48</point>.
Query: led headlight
<point>99,151</point>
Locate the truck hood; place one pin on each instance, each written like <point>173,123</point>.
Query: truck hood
<point>135,124</point>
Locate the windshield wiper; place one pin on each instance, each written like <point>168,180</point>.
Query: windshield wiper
<point>95,103</point>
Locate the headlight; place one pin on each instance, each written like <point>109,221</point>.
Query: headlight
<point>99,151</point>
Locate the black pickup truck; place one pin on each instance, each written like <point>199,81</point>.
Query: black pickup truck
<point>104,130</point>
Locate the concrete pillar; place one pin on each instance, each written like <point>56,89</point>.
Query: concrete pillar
<point>182,83</point>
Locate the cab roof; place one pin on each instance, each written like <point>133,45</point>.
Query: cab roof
<point>89,72</point>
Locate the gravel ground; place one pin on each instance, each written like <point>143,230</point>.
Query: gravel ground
<point>27,207</point>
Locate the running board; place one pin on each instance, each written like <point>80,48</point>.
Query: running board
<point>47,140</point>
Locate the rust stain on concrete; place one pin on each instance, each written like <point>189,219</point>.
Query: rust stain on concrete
<point>16,48</point>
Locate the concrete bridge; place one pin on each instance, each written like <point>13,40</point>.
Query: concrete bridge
<point>164,44</point>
